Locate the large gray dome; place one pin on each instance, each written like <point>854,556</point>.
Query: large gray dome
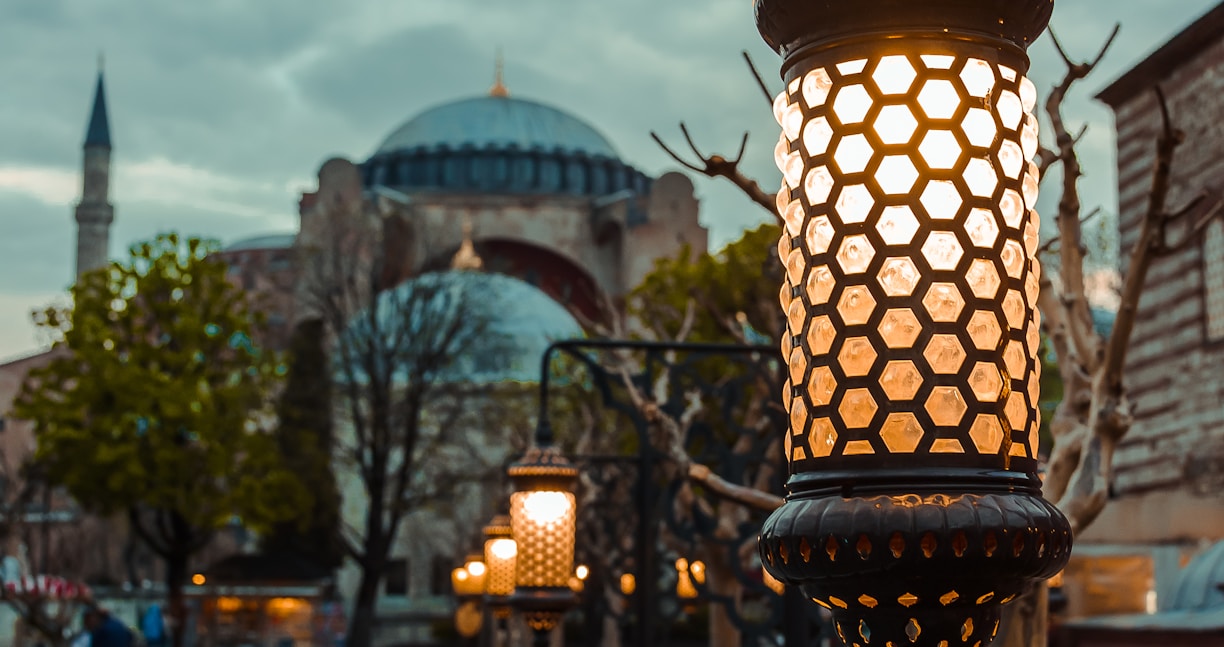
<point>498,123</point>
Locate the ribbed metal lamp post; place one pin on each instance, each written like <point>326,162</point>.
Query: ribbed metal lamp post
<point>910,246</point>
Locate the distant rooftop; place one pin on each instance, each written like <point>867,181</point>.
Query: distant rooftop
<point>1200,35</point>
<point>267,241</point>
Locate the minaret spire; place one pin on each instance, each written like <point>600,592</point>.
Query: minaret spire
<point>499,83</point>
<point>94,212</point>
<point>467,258</point>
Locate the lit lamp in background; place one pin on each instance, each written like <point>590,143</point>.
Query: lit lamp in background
<point>543,517</point>
<point>468,582</point>
<point>577,582</point>
<point>910,243</point>
<point>500,551</point>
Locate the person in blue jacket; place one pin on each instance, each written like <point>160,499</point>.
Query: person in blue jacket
<point>105,631</point>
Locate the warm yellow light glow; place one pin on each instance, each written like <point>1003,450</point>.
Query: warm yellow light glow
<point>281,607</point>
<point>697,569</point>
<point>628,584</point>
<point>198,579</point>
<point>582,572</point>
<point>546,507</point>
<point>772,582</point>
<point>228,604</point>
<point>504,548</point>
<point>475,569</point>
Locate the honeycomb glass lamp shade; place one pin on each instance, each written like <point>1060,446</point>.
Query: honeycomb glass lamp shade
<point>543,518</point>
<point>500,553</point>
<point>911,282</point>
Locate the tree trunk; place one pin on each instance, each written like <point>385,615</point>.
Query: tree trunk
<point>1026,620</point>
<point>176,576</point>
<point>361,626</point>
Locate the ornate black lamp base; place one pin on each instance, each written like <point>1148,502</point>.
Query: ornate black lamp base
<point>543,607</point>
<point>929,564</point>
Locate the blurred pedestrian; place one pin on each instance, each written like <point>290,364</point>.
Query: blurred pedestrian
<point>153,626</point>
<point>106,631</point>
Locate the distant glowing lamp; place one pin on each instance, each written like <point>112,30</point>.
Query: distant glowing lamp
<point>911,282</point>
<point>628,584</point>
<point>500,552</point>
<point>543,517</point>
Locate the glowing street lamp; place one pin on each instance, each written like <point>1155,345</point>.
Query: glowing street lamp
<point>543,517</point>
<point>910,249</point>
<point>500,551</point>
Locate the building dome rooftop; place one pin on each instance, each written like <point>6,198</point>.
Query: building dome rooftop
<point>498,123</point>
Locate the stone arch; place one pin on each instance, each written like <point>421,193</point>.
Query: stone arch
<point>561,278</point>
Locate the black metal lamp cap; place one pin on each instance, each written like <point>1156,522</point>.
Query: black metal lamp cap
<point>543,467</point>
<point>789,25</point>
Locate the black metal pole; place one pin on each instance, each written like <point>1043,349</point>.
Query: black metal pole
<point>540,638</point>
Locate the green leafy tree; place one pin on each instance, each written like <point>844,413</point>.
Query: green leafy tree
<point>158,403</point>
<point>731,295</point>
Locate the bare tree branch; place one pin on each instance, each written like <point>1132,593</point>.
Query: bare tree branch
<point>759,81</point>
<point>718,166</point>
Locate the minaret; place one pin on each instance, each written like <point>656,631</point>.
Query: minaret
<point>499,82</point>
<point>94,213</point>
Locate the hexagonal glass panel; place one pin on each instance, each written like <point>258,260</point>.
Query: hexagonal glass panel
<point>981,178</point>
<point>821,386</point>
<point>1031,237</point>
<point>899,276</point>
<point>795,266</point>
<point>941,200</point>
<point>897,225</point>
<point>1011,159</point>
<point>1010,110</point>
<point>1032,288</point>
<point>785,296</point>
<point>855,254</point>
<point>853,154</point>
<point>821,334</point>
<point>792,121</point>
<point>1013,309</point>
<point>983,279</point>
<point>858,447</point>
<point>943,301</point>
<point>796,315</point>
<point>1013,257</point>
<point>856,357</point>
<point>895,125</point>
<point>1030,137</point>
<point>816,86</point>
<point>982,228</point>
<point>1032,338</point>
<point>851,104</point>
<point>1016,411</point>
<point>818,185</point>
<point>1015,359</point>
<point>855,66</point>
<point>854,203</point>
<point>793,217</point>
<point>894,75</point>
<point>901,433</point>
<point>987,434</point>
<point>986,382</point>
<point>1032,186</point>
<point>944,354</point>
<point>819,285</point>
<point>798,415</point>
<point>896,175</point>
<point>938,61</point>
<point>792,172</point>
<point>819,235</point>
<point>942,250</point>
<point>1028,94</point>
<point>781,152</point>
<point>1012,207</point>
<point>780,103</point>
<point>979,126</point>
<point>978,77</point>
<point>900,328</point>
<point>947,446</point>
<point>816,136</point>
<point>940,149</point>
<point>900,380</point>
<point>856,305</point>
<point>1008,73</point>
<point>984,330</point>
<point>946,406</point>
<point>857,408</point>
<point>822,438</point>
<point>798,365</point>
<point>938,99</point>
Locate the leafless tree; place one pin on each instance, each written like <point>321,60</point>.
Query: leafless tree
<point>402,417</point>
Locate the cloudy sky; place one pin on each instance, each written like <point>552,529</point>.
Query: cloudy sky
<point>222,111</point>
